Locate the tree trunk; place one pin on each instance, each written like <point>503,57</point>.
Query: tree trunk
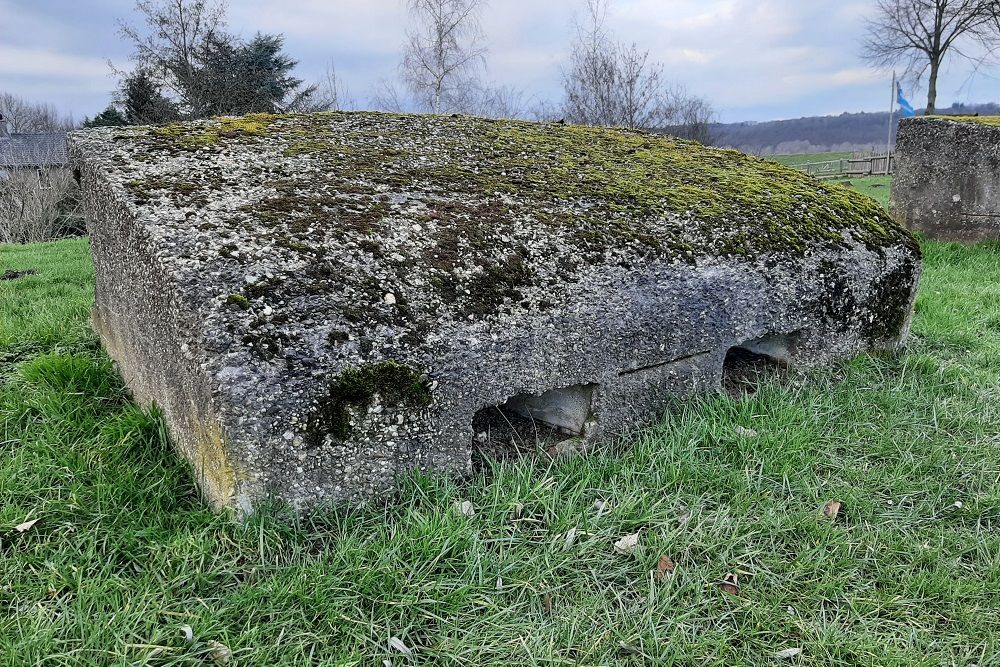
<point>932,86</point>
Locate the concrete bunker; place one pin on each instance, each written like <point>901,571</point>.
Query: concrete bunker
<point>947,178</point>
<point>323,303</point>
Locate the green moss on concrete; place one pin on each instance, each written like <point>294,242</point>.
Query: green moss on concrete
<point>195,135</point>
<point>354,390</point>
<point>615,186</point>
<point>505,211</point>
<point>239,301</point>
<point>993,121</point>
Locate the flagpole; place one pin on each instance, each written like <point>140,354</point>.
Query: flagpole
<point>892,110</point>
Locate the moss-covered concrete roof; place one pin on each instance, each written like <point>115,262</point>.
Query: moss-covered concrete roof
<point>993,121</point>
<point>401,218</point>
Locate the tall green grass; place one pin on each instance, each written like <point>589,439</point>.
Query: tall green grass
<point>124,555</point>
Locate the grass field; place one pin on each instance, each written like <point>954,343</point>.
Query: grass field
<point>877,187</point>
<point>107,557</point>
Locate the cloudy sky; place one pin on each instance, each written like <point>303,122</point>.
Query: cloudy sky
<point>754,59</point>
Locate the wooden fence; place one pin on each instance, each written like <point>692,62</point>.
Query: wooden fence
<point>860,164</point>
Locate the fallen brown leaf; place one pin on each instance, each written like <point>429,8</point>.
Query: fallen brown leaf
<point>731,584</point>
<point>664,567</point>
<point>832,509</point>
<point>547,602</point>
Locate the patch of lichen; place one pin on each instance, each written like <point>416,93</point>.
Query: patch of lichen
<point>195,135</point>
<point>353,391</point>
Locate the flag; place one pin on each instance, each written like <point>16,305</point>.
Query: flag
<point>905,108</point>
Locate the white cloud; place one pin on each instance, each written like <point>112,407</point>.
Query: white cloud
<point>753,59</point>
<point>39,63</point>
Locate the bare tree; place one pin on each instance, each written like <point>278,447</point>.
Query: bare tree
<point>444,54</point>
<point>616,84</point>
<point>387,97</point>
<point>23,116</point>
<point>500,102</point>
<point>177,33</point>
<point>330,94</point>
<point>37,203</point>
<point>922,34</point>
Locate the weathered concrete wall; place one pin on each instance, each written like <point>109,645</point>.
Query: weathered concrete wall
<point>947,178</point>
<point>322,303</point>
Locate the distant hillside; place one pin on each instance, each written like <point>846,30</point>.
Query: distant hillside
<point>820,134</point>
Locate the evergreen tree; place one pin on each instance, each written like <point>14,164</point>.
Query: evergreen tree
<point>110,117</point>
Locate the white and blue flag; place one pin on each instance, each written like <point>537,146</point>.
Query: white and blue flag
<point>905,108</point>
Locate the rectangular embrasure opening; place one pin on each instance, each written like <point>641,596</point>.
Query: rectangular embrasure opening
<point>527,421</point>
<point>748,364</point>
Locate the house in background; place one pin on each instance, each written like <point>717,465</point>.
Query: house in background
<point>42,152</point>
<point>37,190</point>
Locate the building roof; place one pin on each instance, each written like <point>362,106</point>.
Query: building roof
<point>43,149</point>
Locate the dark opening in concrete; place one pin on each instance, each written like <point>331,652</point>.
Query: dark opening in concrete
<point>748,364</point>
<point>527,422</point>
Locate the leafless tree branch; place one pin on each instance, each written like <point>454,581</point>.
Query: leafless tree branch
<point>922,34</point>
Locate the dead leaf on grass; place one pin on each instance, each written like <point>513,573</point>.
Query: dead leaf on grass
<point>731,584</point>
<point>547,602</point>
<point>397,644</point>
<point>26,526</point>
<point>570,539</point>
<point>832,509</point>
<point>788,653</point>
<point>627,544</point>
<point>664,567</point>
<point>219,652</point>
<point>465,508</point>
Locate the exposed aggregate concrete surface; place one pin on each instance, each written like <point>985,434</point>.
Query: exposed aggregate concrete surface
<point>947,177</point>
<point>322,303</point>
